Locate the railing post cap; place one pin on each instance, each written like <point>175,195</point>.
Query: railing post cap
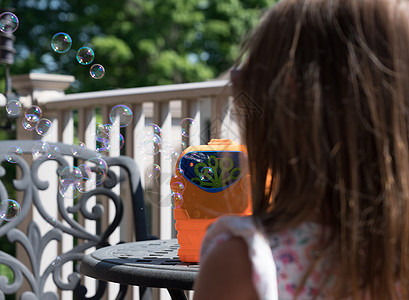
<point>26,84</point>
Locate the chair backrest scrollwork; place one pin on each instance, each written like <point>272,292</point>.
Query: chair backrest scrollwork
<point>91,179</point>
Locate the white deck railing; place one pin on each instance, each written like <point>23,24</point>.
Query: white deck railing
<point>74,118</point>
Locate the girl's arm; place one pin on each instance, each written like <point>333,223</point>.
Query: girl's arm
<point>226,273</point>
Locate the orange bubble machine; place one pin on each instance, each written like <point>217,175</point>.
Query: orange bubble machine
<point>210,181</point>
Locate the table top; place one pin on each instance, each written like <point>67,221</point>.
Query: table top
<point>152,263</point>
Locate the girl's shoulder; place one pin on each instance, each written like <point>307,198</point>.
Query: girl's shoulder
<point>279,260</point>
<point>264,276</point>
<point>306,234</point>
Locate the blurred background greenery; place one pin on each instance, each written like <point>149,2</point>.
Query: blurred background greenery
<point>139,42</point>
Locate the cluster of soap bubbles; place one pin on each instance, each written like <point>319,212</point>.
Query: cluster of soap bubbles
<point>39,148</point>
<point>8,24</point>
<point>149,140</point>
<point>32,117</point>
<point>74,180</point>
<point>149,143</point>
<point>189,128</point>
<point>42,148</point>
<point>33,121</point>
<point>177,187</point>
<point>121,115</point>
<point>177,184</point>
<point>61,42</point>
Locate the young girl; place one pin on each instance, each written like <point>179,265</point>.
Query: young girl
<point>332,79</point>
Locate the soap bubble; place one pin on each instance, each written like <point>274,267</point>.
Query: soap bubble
<point>30,123</point>
<point>82,186</point>
<point>101,144</point>
<point>148,132</point>
<point>121,114</point>
<point>175,156</point>
<point>121,141</point>
<point>189,127</point>
<point>176,200</point>
<point>152,127</point>
<point>100,176</point>
<point>78,149</point>
<point>43,126</point>
<point>12,152</point>
<point>9,209</point>
<point>183,145</point>
<point>53,151</point>
<point>153,171</point>
<point>206,174</point>
<point>70,176</point>
<point>152,146</point>
<point>102,137</point>
<point>99,167</point>
<point>178,183</point>
<point>103,130</point>
<point>52,221</point>
<point>179,171</point>
<point>33,111</point>
<point>167,151</point>
<point>177,187</point>
<point>148,139</point>
<point>68,192</point>
<point>39,148</point>
<point>61,42</point>
<point>97,71</point>
<point>8,22</point>
<point>57,261</point>
<point>31,117</point>
<point>86,174</point>
<point>13,107</point>
<point>154,195</point>
<point>85,55</point>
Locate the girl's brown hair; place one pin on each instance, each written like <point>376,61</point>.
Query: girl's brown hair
<point>332,80</point>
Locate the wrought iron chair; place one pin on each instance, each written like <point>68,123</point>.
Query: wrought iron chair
<point>30,184</point>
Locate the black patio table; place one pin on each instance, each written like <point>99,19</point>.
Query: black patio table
<point>152,263</point>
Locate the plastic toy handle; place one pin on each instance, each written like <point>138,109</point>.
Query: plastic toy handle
<point>221,142</point>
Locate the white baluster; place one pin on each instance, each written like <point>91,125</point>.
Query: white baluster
<point>66,132</point>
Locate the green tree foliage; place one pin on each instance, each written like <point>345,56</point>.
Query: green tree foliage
<point>139,42</point>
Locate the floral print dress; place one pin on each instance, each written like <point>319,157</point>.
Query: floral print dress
<point>280,262</point>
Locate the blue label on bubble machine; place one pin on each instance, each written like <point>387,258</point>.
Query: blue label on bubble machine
<point>212,171</point>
